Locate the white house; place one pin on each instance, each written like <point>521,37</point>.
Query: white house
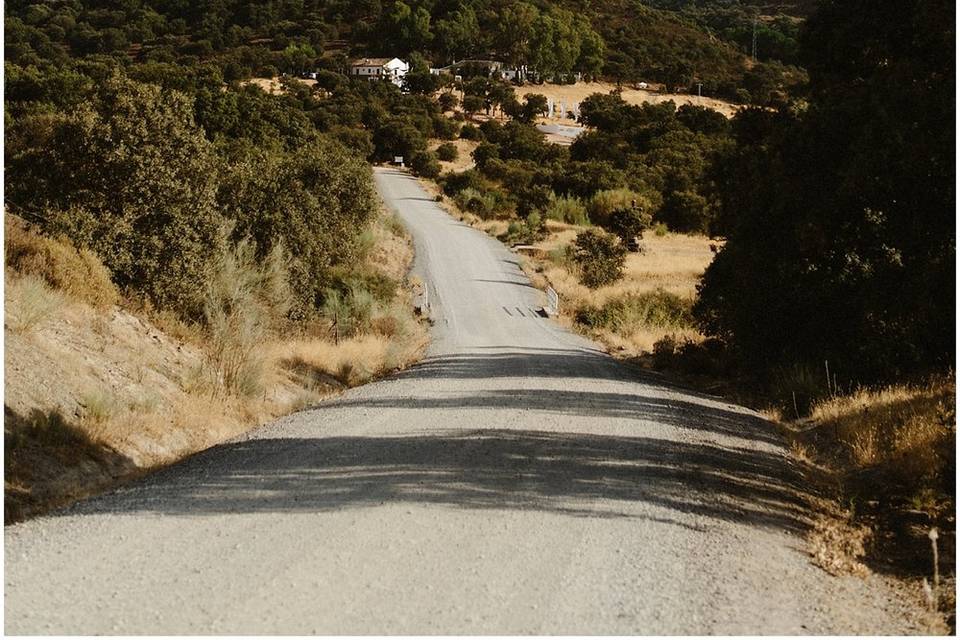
<point>392,69</point>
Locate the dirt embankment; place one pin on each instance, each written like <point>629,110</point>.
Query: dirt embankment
<point>97,393</point>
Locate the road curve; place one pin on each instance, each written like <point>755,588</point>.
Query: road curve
<point>516,481</point>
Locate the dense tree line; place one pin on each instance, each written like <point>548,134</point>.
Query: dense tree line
<point>840,214</point>
<point>623,40</point>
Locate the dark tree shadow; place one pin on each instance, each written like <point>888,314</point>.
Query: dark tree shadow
<point>576,474</point>
<point>49,461</point>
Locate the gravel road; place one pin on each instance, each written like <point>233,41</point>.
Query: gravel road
<point>517,481</point>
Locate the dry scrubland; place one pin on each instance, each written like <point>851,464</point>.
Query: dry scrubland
<point>98,390</point>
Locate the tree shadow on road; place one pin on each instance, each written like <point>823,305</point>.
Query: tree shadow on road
<point>565,473</point>
<point>688,459</point>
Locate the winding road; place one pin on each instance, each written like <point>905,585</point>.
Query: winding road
<point>518,480</point>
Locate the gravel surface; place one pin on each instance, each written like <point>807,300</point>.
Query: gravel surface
<point>517,481</point>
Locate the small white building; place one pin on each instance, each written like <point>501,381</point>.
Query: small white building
<point>392,69</point>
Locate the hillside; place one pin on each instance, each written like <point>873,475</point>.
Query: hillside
<point>621,40</point>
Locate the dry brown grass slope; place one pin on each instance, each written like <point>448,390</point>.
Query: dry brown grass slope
<point>96,392</point>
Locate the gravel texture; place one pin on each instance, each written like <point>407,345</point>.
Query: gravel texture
<point>516,481</point>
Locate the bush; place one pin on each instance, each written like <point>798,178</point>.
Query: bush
<point>30,303</point>
<point>453,183</point>
<point>78,273</point>
<point>244,301</point>
<point>130,176</point>
<point>628,224</point>
<point>525,231</point>
<point>599,257</point>
<point>569,210</point>
<point>470,132</point>
<point>685,211</point>
<point>447,152</point>
<point>476,202</point>
<point>426,164</point>
<point>603,203</point>
<point>657,309</point>
<point>315,201</point>
<point>447,101</point>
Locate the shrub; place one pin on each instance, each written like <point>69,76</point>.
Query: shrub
<point>477,202</point>
<point>599,257</point>
<point>426,164</point>
<point>603,203</point>
<point>454,183</point>
<point>315,202</point>
<point>244,302</point>
<point>656,309</point>
<point>628,223</point>
<point>525,231</point>
<point>685,211</point>
<point>78,273</point>
<point>447,101</point>
<point>30,303</point>
<point>130,176</point>
<point>531,198</point>
<point>569,210</point>
<point>447,152</point>
<point>445,128</point>
<point>470,132</point>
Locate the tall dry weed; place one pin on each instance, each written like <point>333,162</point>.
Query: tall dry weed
<point>30,303</point>
<point>243,303</point>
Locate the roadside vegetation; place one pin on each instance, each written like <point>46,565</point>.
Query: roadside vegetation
<point>822,289</point>
<point>798,255</point>
<point>101,386</point>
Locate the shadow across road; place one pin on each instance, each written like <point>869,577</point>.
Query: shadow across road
<point>570,473</point>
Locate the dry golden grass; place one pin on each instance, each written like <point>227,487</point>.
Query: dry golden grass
<point>886,461</point>
<point>76,272</point>
<point>838,545</point>
<point>672,263</point>
<point>570,93</point>
<point>29,303</point>
<point>896,423</point>
<point>392,250</point>
<point>138,394</point>
<point>353,361</point>
<point>273,85</point>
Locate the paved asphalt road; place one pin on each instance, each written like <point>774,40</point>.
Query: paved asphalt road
<point>517,481</point>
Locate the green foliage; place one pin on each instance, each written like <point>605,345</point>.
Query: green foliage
<point>685,211</point>
<point>130,176</point>
<point>425,164</point>
<point>470,132</point>
<point>600,258</point>
<point>628,223</point>
<point>840,217</point>
<point>447,152</point>
<point>314,202</point>
<point>477,202</point>
<point>656,309</point>
<point>569,210</point>
<point>603,203</point>
<point>526,231</point>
